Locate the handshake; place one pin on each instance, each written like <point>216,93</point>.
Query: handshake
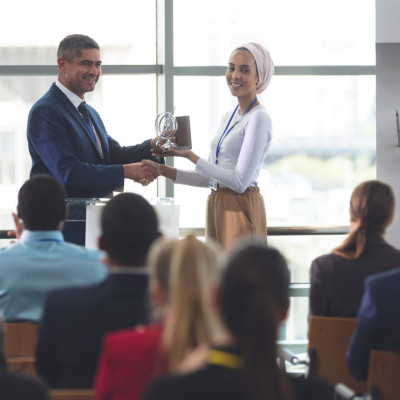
<point>143,172</point>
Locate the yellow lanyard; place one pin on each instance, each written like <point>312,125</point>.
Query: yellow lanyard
<point>225,359</point>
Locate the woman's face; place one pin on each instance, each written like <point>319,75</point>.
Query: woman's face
<point>241,75</point>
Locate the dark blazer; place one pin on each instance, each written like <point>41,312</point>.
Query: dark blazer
<point>337,284</point>
<point>60,144</point>
<point>74,323</point>
<point>378,321</point>
<point>219,382</point>
<point>19,387</point>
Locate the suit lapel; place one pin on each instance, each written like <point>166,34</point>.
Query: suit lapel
<point>77,116</point>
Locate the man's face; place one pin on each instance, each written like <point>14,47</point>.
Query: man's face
<point>81,75</point>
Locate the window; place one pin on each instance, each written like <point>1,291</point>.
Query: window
<point>321,100</point>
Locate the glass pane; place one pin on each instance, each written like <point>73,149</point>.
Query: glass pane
<point>300,251</point>
<point>323,144</point>
<point>309,32</point>
<point>296,325</point>
<point>35,28</point>
<point>128,118</point>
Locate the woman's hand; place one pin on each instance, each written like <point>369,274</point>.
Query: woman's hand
<point>171,152</point>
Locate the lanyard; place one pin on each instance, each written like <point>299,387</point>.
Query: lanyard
<point>219,357</point>
<point>50,240</point>
<point>226,131</point>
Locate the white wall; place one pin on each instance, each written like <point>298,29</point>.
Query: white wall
<point>387,21</point>
<point>387,101</point>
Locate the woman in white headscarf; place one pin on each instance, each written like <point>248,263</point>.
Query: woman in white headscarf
<point>235,207</point>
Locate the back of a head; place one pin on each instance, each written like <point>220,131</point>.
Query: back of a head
<point>253,273</point>
<point>129,226</point>
<point>72,45</point>
<point>372,203</point>
<point>41,203</point>
<point>254,298</point>
<point>372,208</point>
<point>193,272</point>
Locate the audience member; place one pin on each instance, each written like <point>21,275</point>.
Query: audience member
<point>41,261</point>
<point>16,386</point>
<point>253,299</point>
<point>378,321</point>
<point>337,279</point>
<point>75,319</point>
<point>182,274</point>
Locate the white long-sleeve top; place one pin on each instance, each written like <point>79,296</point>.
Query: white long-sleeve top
<point>241,155</point>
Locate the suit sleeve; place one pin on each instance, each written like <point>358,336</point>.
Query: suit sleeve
<point>59,146</point>
<point>365,335</point>
<point>318,299</point>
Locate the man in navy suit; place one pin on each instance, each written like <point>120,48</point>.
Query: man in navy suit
<point>78,152</point>
<point>75,319</point>
<point>378,321</point>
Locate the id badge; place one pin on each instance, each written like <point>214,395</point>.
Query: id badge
<point>213,184</point>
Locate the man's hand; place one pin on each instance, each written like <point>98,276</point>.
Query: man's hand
<point>152,164</point>
<point>19,227</point>
<point>141,171</point>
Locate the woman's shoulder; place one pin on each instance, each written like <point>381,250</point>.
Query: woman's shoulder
<point>261,113</point>
<point>326,261</point>
<point>138,336</point>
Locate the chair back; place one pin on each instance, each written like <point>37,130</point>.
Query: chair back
<point>72,394</point>
<point>20,338</point>
<point>20,344</point>
<point>328,340</point>
<point>384,375</point>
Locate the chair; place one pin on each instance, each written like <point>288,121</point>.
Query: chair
<point>384,375</point>
<point>328,340</point>
<point>21,338</point>
<point>20,344</point>
<point>72,394</point>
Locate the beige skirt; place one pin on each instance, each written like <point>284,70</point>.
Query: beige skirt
<point>232,216</point>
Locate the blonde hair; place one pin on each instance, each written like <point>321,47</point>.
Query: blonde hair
<point>372,207</point>
<point>189,320</point>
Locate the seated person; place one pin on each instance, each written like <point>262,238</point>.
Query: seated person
<point>41,261</point>
<point>378,321</point>
<point>17,386</point>
<point>76,319</point>
<point>337,279</point>
<point>253,301</point>
<point>182,273</point>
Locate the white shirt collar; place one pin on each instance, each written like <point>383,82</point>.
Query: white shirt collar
<point>73,98</point>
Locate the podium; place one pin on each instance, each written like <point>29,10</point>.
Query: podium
<point>83,219</point>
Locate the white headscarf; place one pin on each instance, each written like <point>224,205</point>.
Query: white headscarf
<point>264,64</point>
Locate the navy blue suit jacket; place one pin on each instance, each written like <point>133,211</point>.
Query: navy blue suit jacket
<point>378,321</point>
<point>76,319</point>
<point>60,144</point>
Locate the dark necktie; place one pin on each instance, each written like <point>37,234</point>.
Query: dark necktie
<point>86,116</point>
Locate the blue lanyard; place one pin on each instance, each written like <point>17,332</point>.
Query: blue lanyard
<point>226,131</point>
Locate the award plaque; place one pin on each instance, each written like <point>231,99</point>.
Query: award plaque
<point>168,126</point>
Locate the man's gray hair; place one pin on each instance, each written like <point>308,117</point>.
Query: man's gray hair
<point>72,45</point>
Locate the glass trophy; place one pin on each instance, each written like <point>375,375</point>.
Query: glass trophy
<point>166,126</point>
